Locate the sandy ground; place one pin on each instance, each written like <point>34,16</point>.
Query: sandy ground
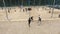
<point>18,23</point>
<point>21,27</point>
<point>17,13</point>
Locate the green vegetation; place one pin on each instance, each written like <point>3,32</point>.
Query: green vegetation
<point>28,2</point>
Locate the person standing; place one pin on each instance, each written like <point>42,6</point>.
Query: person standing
<point>39,20</point>
<point>8,11</point>
<point>29,21</point>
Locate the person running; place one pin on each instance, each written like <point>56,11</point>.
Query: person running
<point>29,21</point>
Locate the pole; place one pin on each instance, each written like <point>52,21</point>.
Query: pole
<point>5,10</point>
<point>22,4</point>
<point>53,9</point>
